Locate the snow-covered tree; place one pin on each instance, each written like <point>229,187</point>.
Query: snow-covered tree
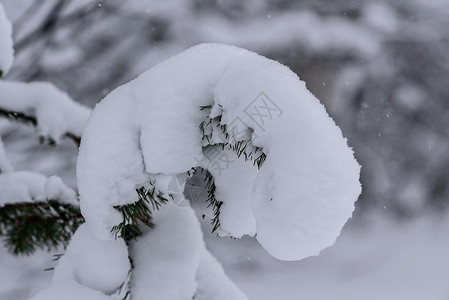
<point>277,167</point>
<point>274,163</point>
<point>36,211</point>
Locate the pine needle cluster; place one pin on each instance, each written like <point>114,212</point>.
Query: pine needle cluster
<point>28,226</point>
<point>211,128</point>
<point>139,213</point>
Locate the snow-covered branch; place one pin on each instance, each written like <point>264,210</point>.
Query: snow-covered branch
<point>305,189</point>
<point>36,212</point>
<point>43,105</point>
<point>208,107</point>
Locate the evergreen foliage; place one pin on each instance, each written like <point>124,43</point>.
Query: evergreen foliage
<point>211,200</point>
<point>139,212</point>
<point>241,147</point>
<point>28,226</point>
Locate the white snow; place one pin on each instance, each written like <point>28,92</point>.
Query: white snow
<point>6,42</point>
<point>110,164</point>
<point>171,184</point>
<point>306,189</point>
<point>5,165</point>
<point>77,291</point>
<point>213,283</point>
<point>234,187</point>
<point>166,258</point>
<point>57,190</point>
<point>23,276</point>
<point>89,268</point>
<point>24,186</point>
<point>303,194</point>
<point>381,259</point>
<point>56,113</point>
<point>171,261</point>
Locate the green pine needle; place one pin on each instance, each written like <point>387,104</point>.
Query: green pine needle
<point>240,148</point>
<point>29,226</point>
<point>211,200</point>
<point>139,212</point>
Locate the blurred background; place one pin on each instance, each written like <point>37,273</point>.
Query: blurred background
<point>381,68</point>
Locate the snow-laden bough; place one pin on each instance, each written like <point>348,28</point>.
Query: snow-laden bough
<point>206,107</point>
<point>25,186</point>
<point>55,113</point>
<point>303,193</point>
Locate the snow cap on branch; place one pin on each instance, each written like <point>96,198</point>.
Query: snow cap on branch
<point>172,262</point>
<point>89,269</point>
<point>301,196</point>
<point>24,186</point>
<point>56,114</point>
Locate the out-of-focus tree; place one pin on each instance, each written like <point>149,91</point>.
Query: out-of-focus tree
<point>394,107</point>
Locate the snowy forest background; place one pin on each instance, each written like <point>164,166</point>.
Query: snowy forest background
<point>380,67</point>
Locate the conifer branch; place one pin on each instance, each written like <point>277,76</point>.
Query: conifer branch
<point>211,200</point>
<point>18,117</point>
<point>242,147</point>
<point>28,226</point>
<point>30,120</point>
<point>139,212</point>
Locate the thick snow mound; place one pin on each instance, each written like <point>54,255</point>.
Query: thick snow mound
<point>89,269</point>
<point>6,43</point>
<point>24,186</point>
<point>100,265</point>
<point>234,188</point>
<point>171,261</point>
<point>56,113</point>
<point>300,198</point>
<point>70,290</point>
